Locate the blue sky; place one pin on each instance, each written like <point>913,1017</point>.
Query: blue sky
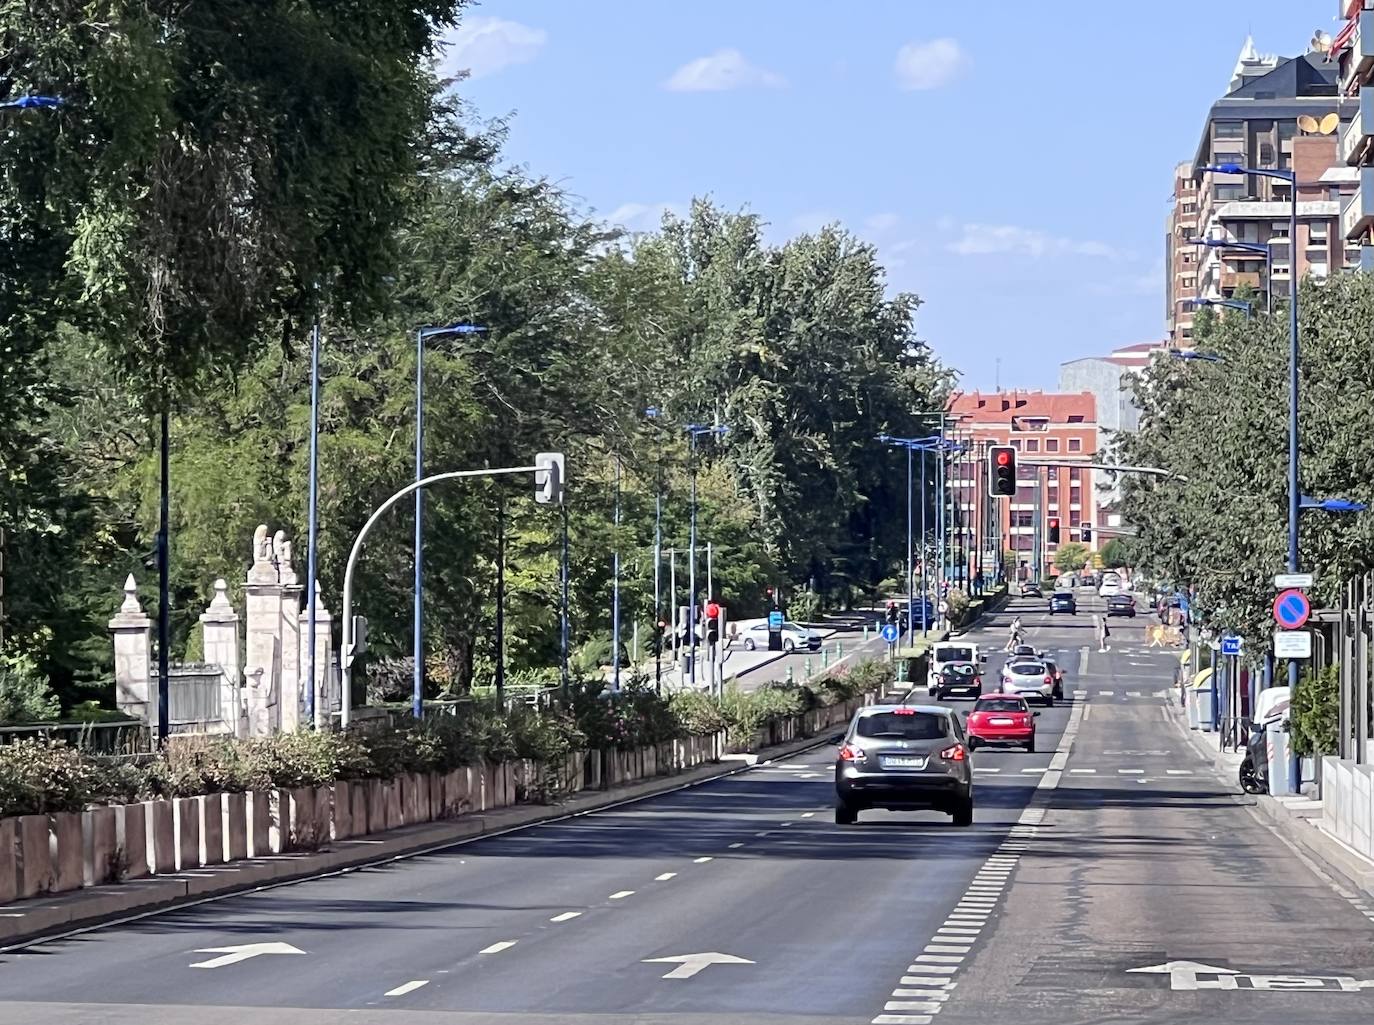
<point>1011,161</point>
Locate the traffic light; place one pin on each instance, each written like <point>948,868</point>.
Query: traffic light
<point>548,478</point>
<point>712,622</point>
<point>1002,471</point>
<point>1085,532</point>
<point>772,598</point>
<point>660,629</point>
<point>1053,531</point>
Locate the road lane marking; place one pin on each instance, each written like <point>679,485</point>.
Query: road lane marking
<point>409,987</point>
<point>496,948</point>
<point>1030,771</point>
<point>920,994</point>
<point>701,861</point>
<point>1133,693</point>
<point>1082,772</point>
<point>664,877</point>
<point>1179,772</point>
<point>764,833</point>
<point>936,959</point>
<point>903,1019</point>
<point>1080,694</point>
<point>784,823</point>
<point>807,814</point>
<point>1105,693</point>
<point>1087,711</point>
<point>736,845</point>
<point>911,1005</point>
<point>1131,772</point>
<point>934,981</point>
<point>935,969</point>
<point>957,930</point>
<point>987,770</point>
<point>566,916</point>
<point>621,894</point>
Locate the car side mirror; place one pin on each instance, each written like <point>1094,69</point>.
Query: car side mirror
<point>1036,714</point>
<point>983,659</point>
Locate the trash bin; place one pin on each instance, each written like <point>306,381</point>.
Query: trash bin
<point>1271,714</point>
<point>1199,698</point>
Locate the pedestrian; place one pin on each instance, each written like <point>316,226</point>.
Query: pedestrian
<point>1103,632</point>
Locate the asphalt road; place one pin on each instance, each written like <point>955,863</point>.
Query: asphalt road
<point>1116,851</point>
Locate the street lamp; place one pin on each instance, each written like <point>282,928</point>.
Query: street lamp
<point>1264,250</point>
<point>1233,304</point>
<point>1192,355</point>
<point>1333,505</point>
<point>653,413</point>
<point>693,432</point>
<point>422,335</point>
<point>923,445</point>
<point>1294,496</point>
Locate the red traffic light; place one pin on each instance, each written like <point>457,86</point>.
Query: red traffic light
<point>712,610</point>
<point>1054,523</point>
<point>1003,458</point>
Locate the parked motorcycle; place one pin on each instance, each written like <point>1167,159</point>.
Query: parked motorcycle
<point>1254,767</point>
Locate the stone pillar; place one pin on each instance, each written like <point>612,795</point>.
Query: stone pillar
<point>262,591</point>
<point>219,626</point>
<point>290,699</point>
<point>133,650</point>
<point>326,691</point>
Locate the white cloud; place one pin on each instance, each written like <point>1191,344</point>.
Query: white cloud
<point>483,46</point>
<point>1011,239</point>
<point>721,71</point>
<point>931,64</point>
<point>643,216</point>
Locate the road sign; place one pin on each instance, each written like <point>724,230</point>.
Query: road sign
<point>244,951</point>
<point>1283,581</point>
<point>1230,645</point>
<point>1292,644</point>
<point>1291,609</point>
<point>690,964</point>
<point>890,633</point>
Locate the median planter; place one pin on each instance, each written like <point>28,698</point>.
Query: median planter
<point>186,819</point>
<point>423,812</point>
<point>160,837</point>
<point>234,826</point>
<point>9,861</point>
<point>340,811</point>
<point>259,823</point>
<point>357,791</point>
<point>131,840</point>
<point>376,806</point>
<point>35,871</point>
<point>308,830</point>
<point>210,810</point>
<point>69,851</point>
<point>391,796</point>
<point>405,784</point>
<point>99,854</point>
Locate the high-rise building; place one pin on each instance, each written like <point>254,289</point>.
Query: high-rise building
<point>1041,426</point>
<point>1278,113</point>
<point>1353,49</point>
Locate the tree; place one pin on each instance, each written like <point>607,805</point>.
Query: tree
<point>1071,556</point>
<point>1115,554</point>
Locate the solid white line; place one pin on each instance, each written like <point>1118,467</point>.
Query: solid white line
<point>664,877</point>
<point>566,916</point>
<point>701,861</point>
<point>496,948</point>
<point>409,987</point>
<point>621,894</point>
<point>903,1019</point>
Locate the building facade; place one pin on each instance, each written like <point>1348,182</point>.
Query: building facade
<point>1278,113</point>
<point>1041,426</point>
<point>1353,52</point>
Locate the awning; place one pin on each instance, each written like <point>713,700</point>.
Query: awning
<point>1203,678</point>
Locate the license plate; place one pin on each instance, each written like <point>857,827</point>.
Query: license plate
<point>902,762</point>
<point>1001,722</point>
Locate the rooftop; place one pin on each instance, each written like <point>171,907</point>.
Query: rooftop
<point>1006,406</point>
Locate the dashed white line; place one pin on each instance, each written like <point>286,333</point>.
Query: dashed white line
<point>664,877</point>
<point>409,987</point>
<point>1179,772</point>
<point>496,948</point>
<point>1081,772</point>
<point>736,846</point>
<point>808,814</point>
<point>701,861</point>
<point>621,894</point>
<point>1130,772</point>
<point>566,916</point>
<point>988,771</point>
<point>1027,772</point>
<point>1105,693</point>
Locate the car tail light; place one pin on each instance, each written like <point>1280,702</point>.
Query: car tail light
<point>955,753</point>
<point>904,711</point>
<point>1049,679</point>
<point>850,754</point>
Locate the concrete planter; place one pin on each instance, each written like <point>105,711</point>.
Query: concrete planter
<point>437,781</point>
<point>391,796</point>
<point>279,821</point>
<point>9,860</point>
<point>376,806</point>
<point>186,819</point>
<point>234,826</point>
<point>406,784</point>
<point>100,847</point>
<point>457,794</point>
<point>35,873</point>
<point>68,851</point>
<point>210,809</point>
<point>131,839</point>
<point>259,822</point>
<point>420,785</point>
<point>357,795</point>
<point>340,811</point>
<point>160,837</point>
<point>308,831</point>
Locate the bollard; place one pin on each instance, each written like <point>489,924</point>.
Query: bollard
<point>825,658</point>
<point>865,633</point>
<point>789,674</point>
<point>839,649</point>
<point>808,669</point>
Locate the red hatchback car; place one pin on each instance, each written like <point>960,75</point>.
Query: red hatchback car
<point>1002,719</point>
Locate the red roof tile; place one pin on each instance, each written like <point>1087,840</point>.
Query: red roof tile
<point>1000,407</point>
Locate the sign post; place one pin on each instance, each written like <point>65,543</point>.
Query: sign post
<point>890,633</point>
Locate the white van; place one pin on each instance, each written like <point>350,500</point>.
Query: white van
<point>944,652</point>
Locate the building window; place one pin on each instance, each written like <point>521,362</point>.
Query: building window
<point>1190,208</point>
<point>1229,191</point>
<point>1281,193</point>
<point>1190,282</point>
<point>1317,234</point>
<point>1287,130</point>
<point>1230,130</point>
<point>1032,445</point>
<point>1280,270</point>
<point>1052,444</point>
<point>1016,444</point>
<point>1025,495</point>
<point>1318,270</point>
<point>1228,157</point>
<point>1333,192</point>
<point>1075,445</point>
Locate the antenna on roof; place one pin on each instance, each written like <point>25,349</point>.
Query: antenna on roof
<point>997,374</point>
<point>1328,124</point>
<point>1308,124</point>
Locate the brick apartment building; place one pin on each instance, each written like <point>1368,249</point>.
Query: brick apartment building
<point>1039,425</point>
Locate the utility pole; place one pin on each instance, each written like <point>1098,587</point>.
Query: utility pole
<point>615,587</point>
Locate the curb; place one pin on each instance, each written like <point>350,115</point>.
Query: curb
<point>1292,825</point>
<point>84,910</point>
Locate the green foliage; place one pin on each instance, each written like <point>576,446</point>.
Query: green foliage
<point>1071,556</point>
<point>38,776</point>
<point>804,607</point>
<point>1315,715</point>
<point>24,693</point>
<point>1115,554</point>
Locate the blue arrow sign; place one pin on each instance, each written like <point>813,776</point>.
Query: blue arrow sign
<point>890,633</point>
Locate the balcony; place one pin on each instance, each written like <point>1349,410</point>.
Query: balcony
<point>1358,60</point>
<point>1358,214</point>
<point>1242,279</point>
<point>1356,136</point>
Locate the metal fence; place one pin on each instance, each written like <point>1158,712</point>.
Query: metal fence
<point>193,700</point>
<point>1354,634</point>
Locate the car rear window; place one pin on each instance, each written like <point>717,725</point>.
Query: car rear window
<point>1001,705</point>
<point>903,725</point>
<point>959,669</point>
<point>1027,668</point>
<point>954,654</point>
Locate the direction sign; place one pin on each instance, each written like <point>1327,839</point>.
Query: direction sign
<point>1292,644</point>
<point>1283,581</point>
<point>1230,645</point>
<point>775,620</point>
<point>890,633</point>
<point>1291,609</point>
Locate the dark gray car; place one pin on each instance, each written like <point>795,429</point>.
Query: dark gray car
<point>902,757</point>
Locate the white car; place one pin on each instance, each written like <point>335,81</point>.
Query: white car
<point>1111,586</point>
<point>794,637</point>
<point>1028,678</point>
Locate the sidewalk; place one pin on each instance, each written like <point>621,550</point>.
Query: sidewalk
<point>1296,817</point>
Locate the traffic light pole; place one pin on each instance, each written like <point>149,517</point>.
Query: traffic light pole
<point>910,569</point>
<point>925,551</point>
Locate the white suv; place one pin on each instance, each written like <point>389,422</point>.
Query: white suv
<point>1111,586</point>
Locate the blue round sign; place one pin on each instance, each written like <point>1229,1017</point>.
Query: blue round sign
<point>890,633</point>
<point>1291,609</point>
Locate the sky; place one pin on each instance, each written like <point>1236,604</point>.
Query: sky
<point>1012,162</point>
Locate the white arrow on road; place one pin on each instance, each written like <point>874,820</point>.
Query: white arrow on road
<point>244,951</point>
<point>1184,974</point>
<point>689,964</point>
